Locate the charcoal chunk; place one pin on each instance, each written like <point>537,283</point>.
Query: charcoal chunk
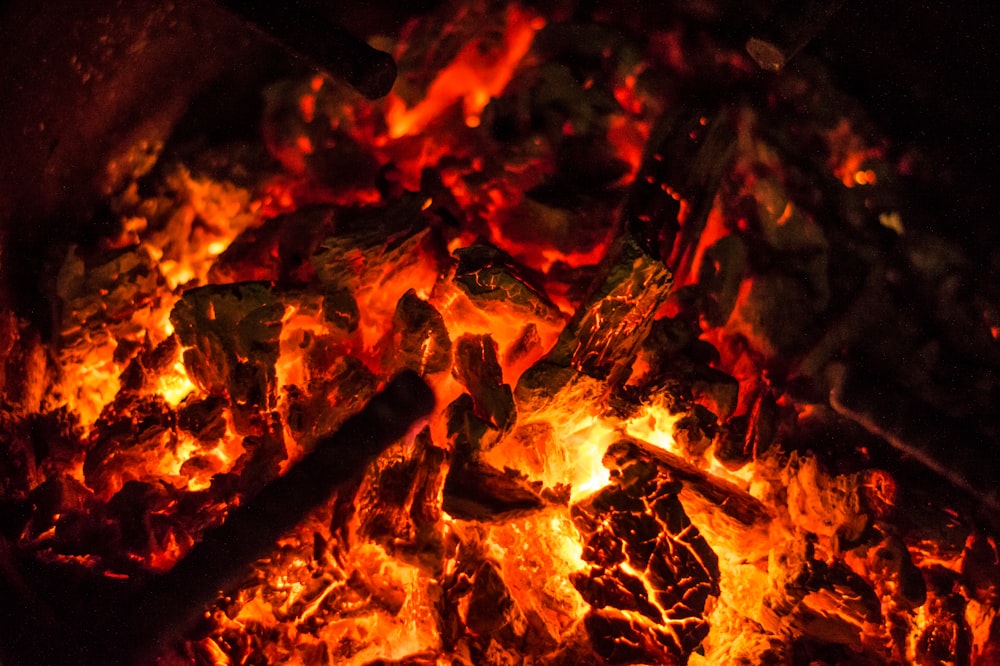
<point>639,541</point>
<point>604,337</point>
<point>478,369</point>
<point>399,502</point>
<point>341,309</point>
<point>373,245</point>
<point>493,611</point>
<point>231,337</point>
<point>205,419</point>
<point>620,639</point>
<point>126,280</point>
<point>494,282</point>
<point>473,489</point>
<point>420,340</point>
<point>278,249</point>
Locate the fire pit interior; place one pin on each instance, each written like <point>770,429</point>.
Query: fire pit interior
<point>591,342</point>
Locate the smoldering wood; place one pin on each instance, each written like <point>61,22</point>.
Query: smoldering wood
<point>638,524</point>
<point>819,600</point>
<point>399,503</point>
<point>278,249</point>
<point>891,565</point>
<point>493,611</point>
<point>475,490</point>
<point>339,386</point>
<point>205,418</point>
<point>100,292</point>
<point>604,336</point>
<point>231,337</point>
<point>373,245</point>
<point>600,343</point>
<point>126,435</point>
<point>493,280</point>
<point>169,602</point>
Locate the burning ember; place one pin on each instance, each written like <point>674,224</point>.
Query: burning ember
<point>634,313</point>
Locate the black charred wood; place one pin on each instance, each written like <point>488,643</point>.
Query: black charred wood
<point>474,489</point>
<point>323,45</point>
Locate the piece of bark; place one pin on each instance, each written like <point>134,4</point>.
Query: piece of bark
<point>716,391</point>
<point>891,570</point>
<point>23,380</point>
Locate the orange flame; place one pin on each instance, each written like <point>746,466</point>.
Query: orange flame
<point>473,78</point>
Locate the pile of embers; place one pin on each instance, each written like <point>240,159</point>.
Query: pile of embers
<point>678,327</point>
